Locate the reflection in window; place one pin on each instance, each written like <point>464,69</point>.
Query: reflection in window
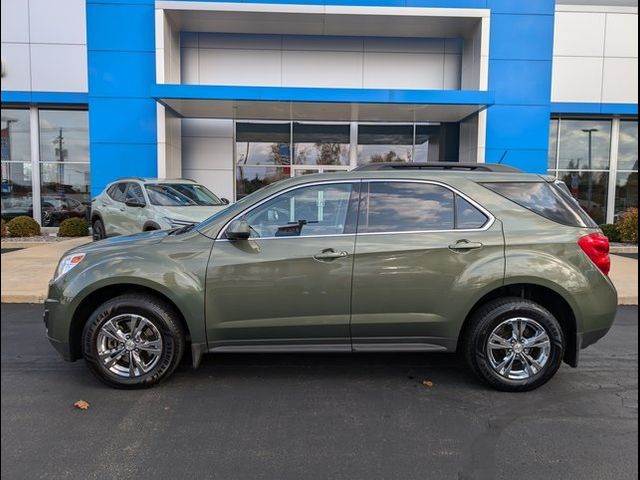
<point>626,191</point>
<point>16,143</point>
<point>315,210</point>
<point>584,144</point>
<point>64,136</point>
<point>590,189</point>
<point>16,190</point>
<point>405,207</point>
<point>628,145</point>
<point>263,144</point>
<point>427,143</point>
<point>250,179</point>
<point>384,143</point>
<point>468,216</point>
<point>65,191</point>
<point>319,144</point>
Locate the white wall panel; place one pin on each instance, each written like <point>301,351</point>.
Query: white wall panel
<point>321,68</point>
<point>59,68</point>
<point>620,80</point>
<point>622,35</point>
<point>240,67</point>
<point>17,71</point>
<point>207,153</point>
<point>316,61</point>
<point>207,127</point>
<point>14,21</point>
<point>423,71</point>
<point>579,34</point>
<point>57,21</point>
<point>576,79</point>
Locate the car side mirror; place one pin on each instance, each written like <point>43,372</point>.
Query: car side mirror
<point>225,201</point>
<point>238,230</point>
<point>134,203</point>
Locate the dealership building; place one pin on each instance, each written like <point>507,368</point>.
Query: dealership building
<point>238,95</point>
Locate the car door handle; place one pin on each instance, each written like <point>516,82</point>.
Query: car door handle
<point>330,254</point>
<point>462,246</point>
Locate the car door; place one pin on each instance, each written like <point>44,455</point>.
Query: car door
<point>287,287</point>
<point>133,217</point>
<point>422,251</point>
<point>111,208</point>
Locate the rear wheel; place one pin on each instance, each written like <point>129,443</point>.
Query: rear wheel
<point>98,230</point>
<point>514,344</point>
<point>133,341</point>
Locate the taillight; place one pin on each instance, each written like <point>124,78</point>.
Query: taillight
<point>596,246</point>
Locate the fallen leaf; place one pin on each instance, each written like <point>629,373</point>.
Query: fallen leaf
<point>427,383</point>
<point>82,405</point>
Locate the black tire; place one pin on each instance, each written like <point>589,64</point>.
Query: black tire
<point>98,230</point>
<point>157,312</point>
<point>489,317</point>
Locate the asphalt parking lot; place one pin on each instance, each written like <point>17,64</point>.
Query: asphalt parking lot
<point>366,416</point>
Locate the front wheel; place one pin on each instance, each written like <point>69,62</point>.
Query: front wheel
<point>133,341</point>
<point>98,230</point>
<point>514,344</point>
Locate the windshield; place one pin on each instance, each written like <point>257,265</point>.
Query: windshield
<point>181,195</point>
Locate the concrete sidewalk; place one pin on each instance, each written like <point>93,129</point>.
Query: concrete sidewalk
<point>26,273</point>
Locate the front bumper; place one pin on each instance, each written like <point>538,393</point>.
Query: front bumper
<point>57,334</point>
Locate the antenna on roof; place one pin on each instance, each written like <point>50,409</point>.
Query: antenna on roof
<point>502,157</point>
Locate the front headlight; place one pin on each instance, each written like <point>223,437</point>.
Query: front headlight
<point>67,263</point>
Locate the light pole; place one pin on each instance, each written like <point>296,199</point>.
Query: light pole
<point>589,132</point>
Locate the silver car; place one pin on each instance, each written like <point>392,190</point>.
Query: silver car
<point>132,205</point>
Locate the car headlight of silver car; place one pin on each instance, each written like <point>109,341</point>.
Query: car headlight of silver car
<point>67,263</point>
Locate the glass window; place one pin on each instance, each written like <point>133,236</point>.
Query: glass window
<point>427,143</point>
<point>17,197</point>
<point>64,136</point>
<point>553,144</point>
<point>320,144</point>
<point>549,201</point>
<point>181,195</point>
<point>405,207</point>
<point>135,193</point>
<point>584,144</point>
<point>250,179</point>
<point>64,191</point>
<point>628,145</point>
<point>263,144</point>
<point>313,210</point>
<point>384,143</point>
<point>16,142</point>
<point>626,191</point>
<point>117,191</point>
<point>468,216</point>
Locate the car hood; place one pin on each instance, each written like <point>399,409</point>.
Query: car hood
<point>190,214</point>
<point>122,242</point>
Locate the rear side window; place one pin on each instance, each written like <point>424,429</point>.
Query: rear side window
<point>468,216</point>
<point>546,200</point>
<point>117,191</point>
<point>405,207</point>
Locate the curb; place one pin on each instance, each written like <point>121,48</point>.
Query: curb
<point>623,249</point>
<point>628,300</point>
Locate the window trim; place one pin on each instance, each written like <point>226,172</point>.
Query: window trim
<point>487,225</point>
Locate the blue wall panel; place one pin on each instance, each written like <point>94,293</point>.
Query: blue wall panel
<point>122,113</point>
<point>521,51</point>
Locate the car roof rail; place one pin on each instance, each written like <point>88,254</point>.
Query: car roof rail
<point>122,179</point>
<point>452,166</point>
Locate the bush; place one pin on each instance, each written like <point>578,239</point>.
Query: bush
<point>611,232</point>
<point>628,226</point>
<point>23,226</point>
<point>73,227</point>
<point>4,228</point>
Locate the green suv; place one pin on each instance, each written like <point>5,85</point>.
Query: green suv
<point>504,268</point>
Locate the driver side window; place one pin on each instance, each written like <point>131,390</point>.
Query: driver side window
<point>313,210</point>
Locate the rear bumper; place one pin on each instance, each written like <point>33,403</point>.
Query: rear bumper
<point>589,338</point>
